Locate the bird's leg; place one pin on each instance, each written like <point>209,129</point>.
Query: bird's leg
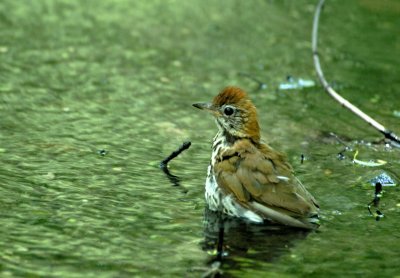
<point>220,242</point>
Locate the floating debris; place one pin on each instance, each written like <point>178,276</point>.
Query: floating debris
<point>290,84</point>
<point>384,179</point>
<point>102,152</point>
<point>371,163</point>
<point>341,156</point>
<point>293,83</point>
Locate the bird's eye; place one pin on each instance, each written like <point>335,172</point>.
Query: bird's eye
<point>228,111</point>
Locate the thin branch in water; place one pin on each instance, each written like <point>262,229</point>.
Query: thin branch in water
<point>185,145</point>
<point>340,154</point>
<point>394,139</point>
<point>175,180</point>
<point>375,202</point>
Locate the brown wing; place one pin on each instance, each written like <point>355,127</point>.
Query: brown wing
<point>261,174</point>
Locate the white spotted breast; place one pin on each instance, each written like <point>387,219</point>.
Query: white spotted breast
<point>216,199</point>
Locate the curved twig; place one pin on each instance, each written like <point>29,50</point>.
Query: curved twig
<point>175,180</point>
<point>387,133</point>
<point>184,146</point>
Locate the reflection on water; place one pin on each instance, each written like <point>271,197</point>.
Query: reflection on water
<point>240,239</point>
<point>230,239</point>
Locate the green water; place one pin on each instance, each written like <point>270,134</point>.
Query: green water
<point>78,77</point>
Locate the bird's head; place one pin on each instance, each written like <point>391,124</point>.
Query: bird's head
<point>234,113</point>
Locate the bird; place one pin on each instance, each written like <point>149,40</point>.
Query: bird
<point>247,178</point>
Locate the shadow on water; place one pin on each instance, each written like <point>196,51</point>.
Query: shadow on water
<point>232,240</point>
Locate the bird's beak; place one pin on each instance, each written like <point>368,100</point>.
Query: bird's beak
<point>204,106</point>
<point>209,107</point>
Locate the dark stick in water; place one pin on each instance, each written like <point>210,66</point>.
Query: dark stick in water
<point>174,154</point>
<point>175,180</point>
<point>375,201</point>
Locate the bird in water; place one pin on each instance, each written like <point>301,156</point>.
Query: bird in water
<point>247,178</point>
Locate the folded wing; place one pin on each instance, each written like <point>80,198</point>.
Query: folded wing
<point>262,180</point>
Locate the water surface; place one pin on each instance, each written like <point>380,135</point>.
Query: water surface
<point>94,94</point>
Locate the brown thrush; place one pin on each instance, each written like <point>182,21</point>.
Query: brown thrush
<point>246,177</point>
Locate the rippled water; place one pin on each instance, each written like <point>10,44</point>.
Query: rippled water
<point>94,94</point>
